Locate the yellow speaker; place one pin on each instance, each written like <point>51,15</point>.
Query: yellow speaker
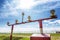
<point>16,21</point>
<point>53,14</point>
<point>29,18</point>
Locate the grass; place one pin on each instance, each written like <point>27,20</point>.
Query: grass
<point>55,36</point>
<point>23,36</point>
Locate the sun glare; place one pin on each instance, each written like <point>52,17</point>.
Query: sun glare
<point>25,4</point>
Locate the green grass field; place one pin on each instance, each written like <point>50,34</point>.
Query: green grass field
<point>23,36</point>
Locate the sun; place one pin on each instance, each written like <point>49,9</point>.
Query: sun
<point>24,4</point>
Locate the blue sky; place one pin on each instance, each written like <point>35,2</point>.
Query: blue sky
<point>10,10</point>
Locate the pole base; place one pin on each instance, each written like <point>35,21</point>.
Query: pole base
<point>40,37</point>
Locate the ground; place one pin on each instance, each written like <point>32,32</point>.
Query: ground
<point>23,36</point>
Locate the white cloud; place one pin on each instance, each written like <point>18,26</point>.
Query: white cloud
<point>49,21</point>
<point>8,10</point>
<point>58,21</point>
<point>28,4</point>
<point>11,8</point>
<point>29,29</point>
<point>51,29</point>
<point>5,29</point>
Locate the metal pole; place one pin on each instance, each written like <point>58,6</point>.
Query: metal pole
<point>11,32</point>
<point>41,28</point>
<point>22,17</point>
